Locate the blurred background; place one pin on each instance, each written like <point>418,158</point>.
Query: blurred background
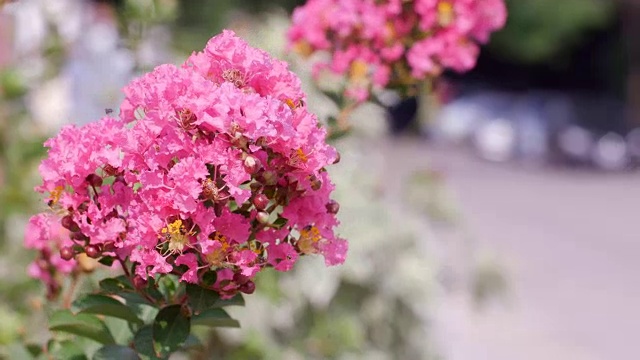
<point>500,225</point>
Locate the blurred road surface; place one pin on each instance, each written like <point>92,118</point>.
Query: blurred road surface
<point>570,243</point>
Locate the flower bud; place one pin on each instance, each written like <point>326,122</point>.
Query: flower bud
<point>248,288</point>
<point>255,187</point>
<point>66,253</point>
<point>78,236</point>
<point>332,207</point>
<point>68,223</point>
<point>240,279</point>
<point>83,207</point>
<point>270,178</point>
<point>239,140</point>
<point>261,141</point>
<point>139,282</point>
<point>109,246</point>
<point>43,264</point>
<point>337,159</point>
<point>92,251</point>
<point>120,179</point>
<point>260,201</point>
<point>186,311</point>
<point>251,164</point>
<point>94,180</point>
<point>262,217</point>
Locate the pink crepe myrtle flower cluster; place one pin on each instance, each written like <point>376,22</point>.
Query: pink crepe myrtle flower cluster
<point>393,43</point>
<point>212,166</point>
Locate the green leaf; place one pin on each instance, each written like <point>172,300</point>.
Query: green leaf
<point>15,350</point>
<point>168,285</point>
<point>107,261</point>
<point>34,349</point>
<point>67,350</point>
<point>121,330</point>
<point>192,342</point>
<point>237,300</point>
<point>171,329</point>
<point>334,96</point>
<point>152,290</point>
<point>85,325</point>
<point>119,352</point>
<point>209,278</point>
<point>104,305</point>
<point>116,285</point>
<point>215,318</point>
<point>280,222</point>
<point>145,312</point>
<point>143,343</point>
<point>201,299</point>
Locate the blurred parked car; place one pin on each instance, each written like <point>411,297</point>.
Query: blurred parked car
<point>541,127</point>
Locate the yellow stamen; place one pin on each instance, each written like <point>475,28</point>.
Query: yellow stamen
<point>56,194</point>
<point>293,104</point>
<point>303,48</point>
<point>358,70</point>
<point>256,247</point>
<point>309,237</point>
<point>218,256</point>
<point>390,31</point>
<point>290,103</point>
<point>177,237</point>
<point>301,155</point>
<point>298,158</point>
<point>445,13</point>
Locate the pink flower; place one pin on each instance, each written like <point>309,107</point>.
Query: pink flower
<point>411,37</point>
<point>191,261</point>
<point>169,185</point>
<point>282,256</point>
<point>151,262</point>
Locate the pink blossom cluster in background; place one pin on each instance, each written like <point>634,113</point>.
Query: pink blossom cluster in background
<point>213,166</point>
<point>393,43</point>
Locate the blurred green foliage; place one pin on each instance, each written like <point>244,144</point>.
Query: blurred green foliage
<point>540,31</point>
<point>198,21</point>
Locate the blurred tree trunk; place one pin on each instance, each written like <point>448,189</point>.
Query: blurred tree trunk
<point>630,16</point>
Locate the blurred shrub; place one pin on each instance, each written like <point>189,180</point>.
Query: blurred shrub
<point>198,21</point>
<point>376,306</point>
<point>543,30</point>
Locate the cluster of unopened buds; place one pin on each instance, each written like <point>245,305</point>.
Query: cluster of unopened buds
<point>213,171</point>
<point>393,43</point>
